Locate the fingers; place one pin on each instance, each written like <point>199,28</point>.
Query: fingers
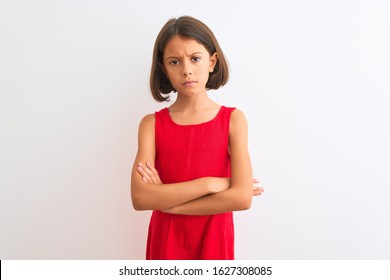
<point>149,173</point>
<point>155,177</point>
<point>257,191</point>
<point>142,170</point>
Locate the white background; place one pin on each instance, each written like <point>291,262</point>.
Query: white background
<point>311,76</point>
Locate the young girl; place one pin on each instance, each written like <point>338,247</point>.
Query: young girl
<point>192,167</point>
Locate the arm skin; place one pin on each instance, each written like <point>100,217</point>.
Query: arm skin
<point>229,200</point>
<point>150,175</point>
<point>239,195</point>
<point>151,196</point>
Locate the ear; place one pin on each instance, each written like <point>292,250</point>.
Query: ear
<point>213,62</point>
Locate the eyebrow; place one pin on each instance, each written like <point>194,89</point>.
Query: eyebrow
<point>195,53</point>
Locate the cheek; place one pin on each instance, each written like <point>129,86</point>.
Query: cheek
<point>169,74</point>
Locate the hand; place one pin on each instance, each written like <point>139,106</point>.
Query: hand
<point>149,173</point>
<point>257,190</point>
<point>221,184</point>
<point>218,184</point>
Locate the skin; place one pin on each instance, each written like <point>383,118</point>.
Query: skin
<point>187,65</point>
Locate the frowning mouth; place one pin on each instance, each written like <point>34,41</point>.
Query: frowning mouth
<point>189,83</point>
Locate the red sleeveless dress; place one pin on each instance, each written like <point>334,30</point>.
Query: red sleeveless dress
<point>183,153</point>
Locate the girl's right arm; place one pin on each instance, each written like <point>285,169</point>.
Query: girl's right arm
<point>150,196</point>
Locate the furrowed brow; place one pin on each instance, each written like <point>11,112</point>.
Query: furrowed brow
<point>177,57</point>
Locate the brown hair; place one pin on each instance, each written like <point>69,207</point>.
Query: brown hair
<point>191,28</point>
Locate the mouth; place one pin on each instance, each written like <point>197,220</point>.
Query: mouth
<point>189,83</point>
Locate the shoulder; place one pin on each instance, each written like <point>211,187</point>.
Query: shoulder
<point>146,132</point>
<point>238,126</point>
<point>147,122</point>
<point>148,119</point>
<point>237,118</point>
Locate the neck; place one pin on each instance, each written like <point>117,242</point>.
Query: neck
<point>192,103</point>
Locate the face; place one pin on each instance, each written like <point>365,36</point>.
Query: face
<point>187,64</point>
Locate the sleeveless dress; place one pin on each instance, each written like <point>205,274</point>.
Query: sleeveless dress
<point>183,153</point>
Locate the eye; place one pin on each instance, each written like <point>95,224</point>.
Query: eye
<point>174,62</point>
<point>195,59</point>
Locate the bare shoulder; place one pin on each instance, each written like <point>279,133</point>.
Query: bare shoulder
<point>146,138</point>
<point>146,129</point>
<point>238,115</point>
<point>147,121</point>
<point>149,118</point>
<point>238,121</point>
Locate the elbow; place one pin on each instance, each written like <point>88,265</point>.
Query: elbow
<point>137,207</point>
<point>138,197</point>
<point>141,203</point>
<point>245,202</point>
<point>136,200</point>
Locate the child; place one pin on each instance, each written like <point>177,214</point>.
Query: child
<point>192,167</point>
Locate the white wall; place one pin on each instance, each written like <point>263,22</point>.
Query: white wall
<point>311,76</point>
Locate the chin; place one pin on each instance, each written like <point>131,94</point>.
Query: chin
<point>192,91</point>
<point>188,92</point>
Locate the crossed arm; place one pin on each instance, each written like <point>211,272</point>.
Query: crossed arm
<point>203,196</point>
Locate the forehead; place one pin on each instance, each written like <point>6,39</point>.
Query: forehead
<point>179,46</point>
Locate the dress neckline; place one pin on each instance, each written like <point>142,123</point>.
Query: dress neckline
<point>195,124</point>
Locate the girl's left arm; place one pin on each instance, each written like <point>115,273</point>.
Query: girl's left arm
<point>239,195</point>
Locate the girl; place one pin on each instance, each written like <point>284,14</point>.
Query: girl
<point>192,166</point>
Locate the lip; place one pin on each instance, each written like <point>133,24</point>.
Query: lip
<point>189,83</point>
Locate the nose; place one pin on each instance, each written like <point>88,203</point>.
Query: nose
<point>187,70</point>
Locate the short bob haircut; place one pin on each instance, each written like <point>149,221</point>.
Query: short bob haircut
<point>191,28</point>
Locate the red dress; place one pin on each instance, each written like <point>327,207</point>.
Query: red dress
<point>183,153</point>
